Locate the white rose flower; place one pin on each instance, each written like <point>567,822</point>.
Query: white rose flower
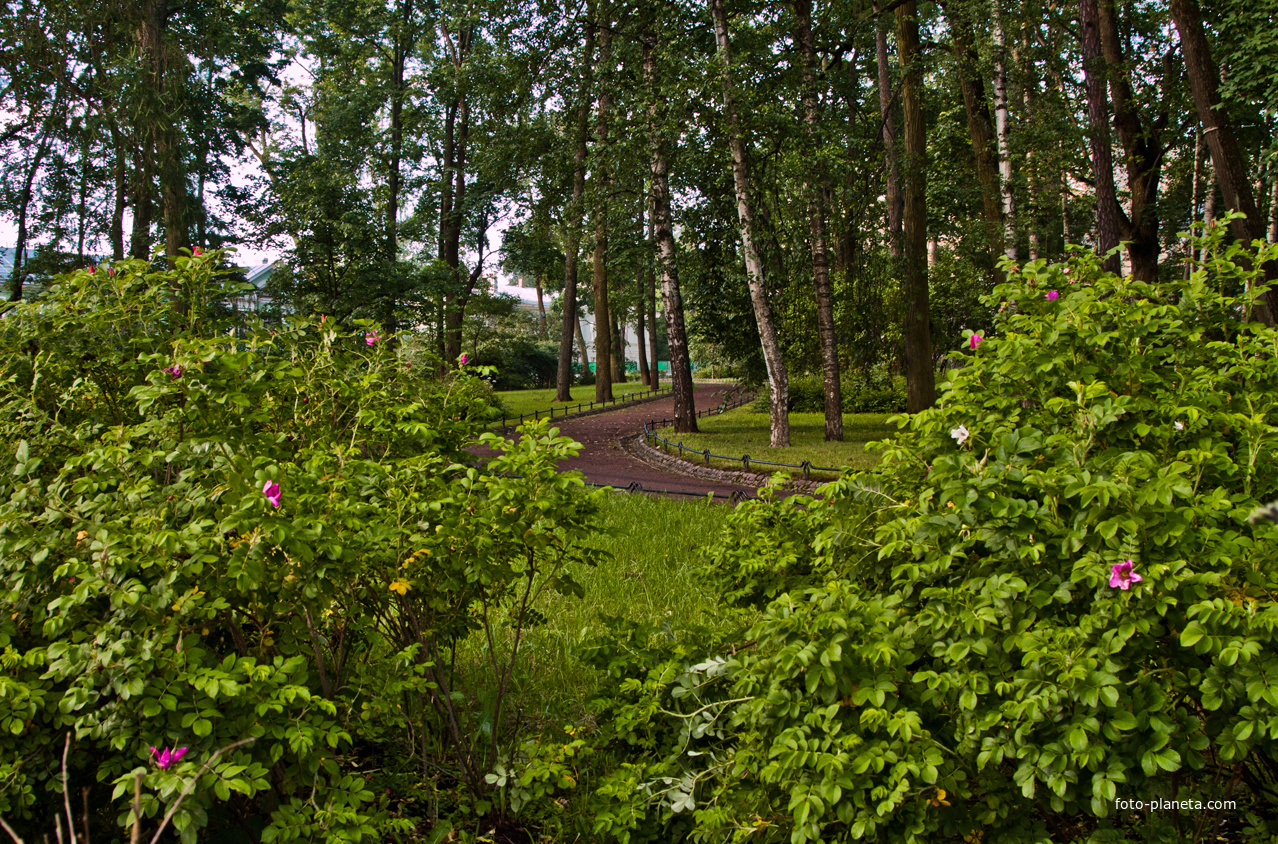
<point>959,434</point>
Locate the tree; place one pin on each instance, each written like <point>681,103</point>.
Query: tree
<point>920,379</point>
<point>778,379</point>
<point>572,239</point>
<point>1231,170</point>
<point>685,413</point>
<point>817,187</point>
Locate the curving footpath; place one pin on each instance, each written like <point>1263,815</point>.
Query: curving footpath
<point>603,459</point>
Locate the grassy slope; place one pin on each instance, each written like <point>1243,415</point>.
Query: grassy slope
<point>648,571</point>
<point>746,431</point>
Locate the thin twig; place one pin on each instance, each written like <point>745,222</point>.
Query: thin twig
<point>66,795</point>
<point>12,834</point>
<point>136,834</point>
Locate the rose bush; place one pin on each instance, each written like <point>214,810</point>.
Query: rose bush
<point>212,531</point>
<point>1049,601</point>
<point>1063,603</point>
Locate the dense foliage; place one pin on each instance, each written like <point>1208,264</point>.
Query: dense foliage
<point>212,532</point>
<point>958,648</point>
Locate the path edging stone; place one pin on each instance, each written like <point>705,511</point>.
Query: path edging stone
<point>658,459</point>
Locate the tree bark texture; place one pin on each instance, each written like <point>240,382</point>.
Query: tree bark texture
<point>777,376</point>
<point>1142,150</point>
<point>603,323</point>
<point>1107,236</point>
<point>156,58</point>
<point>655,372</point>
<point>685,415</point>
<point>457,299</point>
<point>641,287</point>
<point>831,388</point>
<point>1002,130</point>
<point>618,348</point>
<point>401,50</point>
<point>894,202</point>
<point>19,271</point>
<point>920,379</point>
<point>1226,158</point>
<point>980,127</point>
<point>572,237</point>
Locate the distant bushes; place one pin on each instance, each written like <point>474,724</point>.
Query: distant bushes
<point>869,391</point>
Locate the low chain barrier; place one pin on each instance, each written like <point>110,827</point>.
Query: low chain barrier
<point>650,435</point>
<point>582,407</point>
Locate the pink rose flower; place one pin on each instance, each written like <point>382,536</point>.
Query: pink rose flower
<point>1122,577</point>
<point>271,490</point>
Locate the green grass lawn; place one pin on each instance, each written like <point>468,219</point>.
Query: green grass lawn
<point>745,431</point>
<point>527,401</point>
<point>647,569</point>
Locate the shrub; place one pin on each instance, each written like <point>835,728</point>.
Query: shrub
<point>983,670</point>
<point>209,536</point>
<point>869,391</point>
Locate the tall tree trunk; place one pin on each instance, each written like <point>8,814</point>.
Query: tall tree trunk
<point>401,49</point>
<point>120,198</point>
<point>1142,150</point>
<point>980,128</point>
<point>446,187</point>
<point>582,348</point>
<point>1273,201</point>
<point>1002,134</point>
<point>920,379</point>
<point>24,201</point>
<point>777,376</point>
<point>654,380</point>
<point>603,323</point>
<point>1227,160</point>
<point>541,308</point>
<point>1094,72</point>
<point>155,57</point>
<point>1209,211</point>
<point>455,314</point>
<point>1002,129</point>
<point>618,349</point>
<point>572,237</point>
<point>832,391</point>
<point>143,205</point>
<point>685,412</point>
<point>641,288</point>
<point>894,202</point>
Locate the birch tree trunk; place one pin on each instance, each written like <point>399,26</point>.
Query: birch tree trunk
<point>641,287</point>
<point>777,377</point>
<point>1002,129</point>
<point>655,372</point>
<point>685,415</point>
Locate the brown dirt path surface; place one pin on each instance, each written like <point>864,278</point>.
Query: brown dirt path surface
<point>603,460</point>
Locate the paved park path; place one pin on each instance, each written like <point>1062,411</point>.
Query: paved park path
<point>603,460</point>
